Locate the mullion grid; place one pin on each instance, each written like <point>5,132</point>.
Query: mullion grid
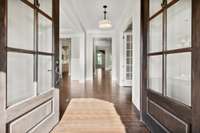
<point>165,51</point>
<point>35,52</point>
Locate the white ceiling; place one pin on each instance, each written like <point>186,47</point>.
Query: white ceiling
<point>85,14</point>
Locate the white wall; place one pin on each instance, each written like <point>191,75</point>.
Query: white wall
<point>108,61</point>
<point>77,55</point>
<point>118,45</point>
<point>82,58</point>
<point>131,15</point>
<point>136,54</point>
<point>75,48</point>
<point>75,58</point>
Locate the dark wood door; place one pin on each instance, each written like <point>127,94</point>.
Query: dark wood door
<point>170,76</point>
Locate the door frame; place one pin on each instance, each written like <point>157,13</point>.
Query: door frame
<point>94,54</point>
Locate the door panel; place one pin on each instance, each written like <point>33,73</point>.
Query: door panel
<point>46,125</point>
<point>40,113</point>
<point>171,122</point>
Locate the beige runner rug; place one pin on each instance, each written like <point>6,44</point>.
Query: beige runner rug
<point>88,115</point>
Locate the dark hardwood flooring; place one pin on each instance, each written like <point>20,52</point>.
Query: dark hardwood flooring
<point>103,88</point>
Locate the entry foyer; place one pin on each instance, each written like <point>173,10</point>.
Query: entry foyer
<point>89,66</point>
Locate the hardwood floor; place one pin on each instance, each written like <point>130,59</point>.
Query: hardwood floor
<point>103,88</point>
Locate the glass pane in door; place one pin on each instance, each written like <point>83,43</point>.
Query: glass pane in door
<point>20,25</point>
<point>154,6</point>
<point>45,34</point>
<point>155,73</point>
<point>179,25</point>
<point>44,73</point>
<point>179,77</point>
<point>155,34</point>
<point>46,6</point>
<point>19,77</point>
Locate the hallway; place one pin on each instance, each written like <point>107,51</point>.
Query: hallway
<point>147,52</point>
<point>103,88</point>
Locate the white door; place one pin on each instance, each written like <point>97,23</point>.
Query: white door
<point>127,59</point>
<point>29,101</point>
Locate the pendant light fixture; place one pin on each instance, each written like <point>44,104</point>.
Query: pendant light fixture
<point>105,23</point>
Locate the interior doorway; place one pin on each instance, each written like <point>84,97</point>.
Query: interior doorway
<point>65,57</point>
<point>65,71</point>
<point>102,59</point>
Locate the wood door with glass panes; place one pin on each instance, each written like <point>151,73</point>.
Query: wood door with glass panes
<point>29,101</point>
<point>169,88</point>
<point>128,48</point>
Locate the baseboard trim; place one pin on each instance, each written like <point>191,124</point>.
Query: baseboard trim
<point>137,112</point>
